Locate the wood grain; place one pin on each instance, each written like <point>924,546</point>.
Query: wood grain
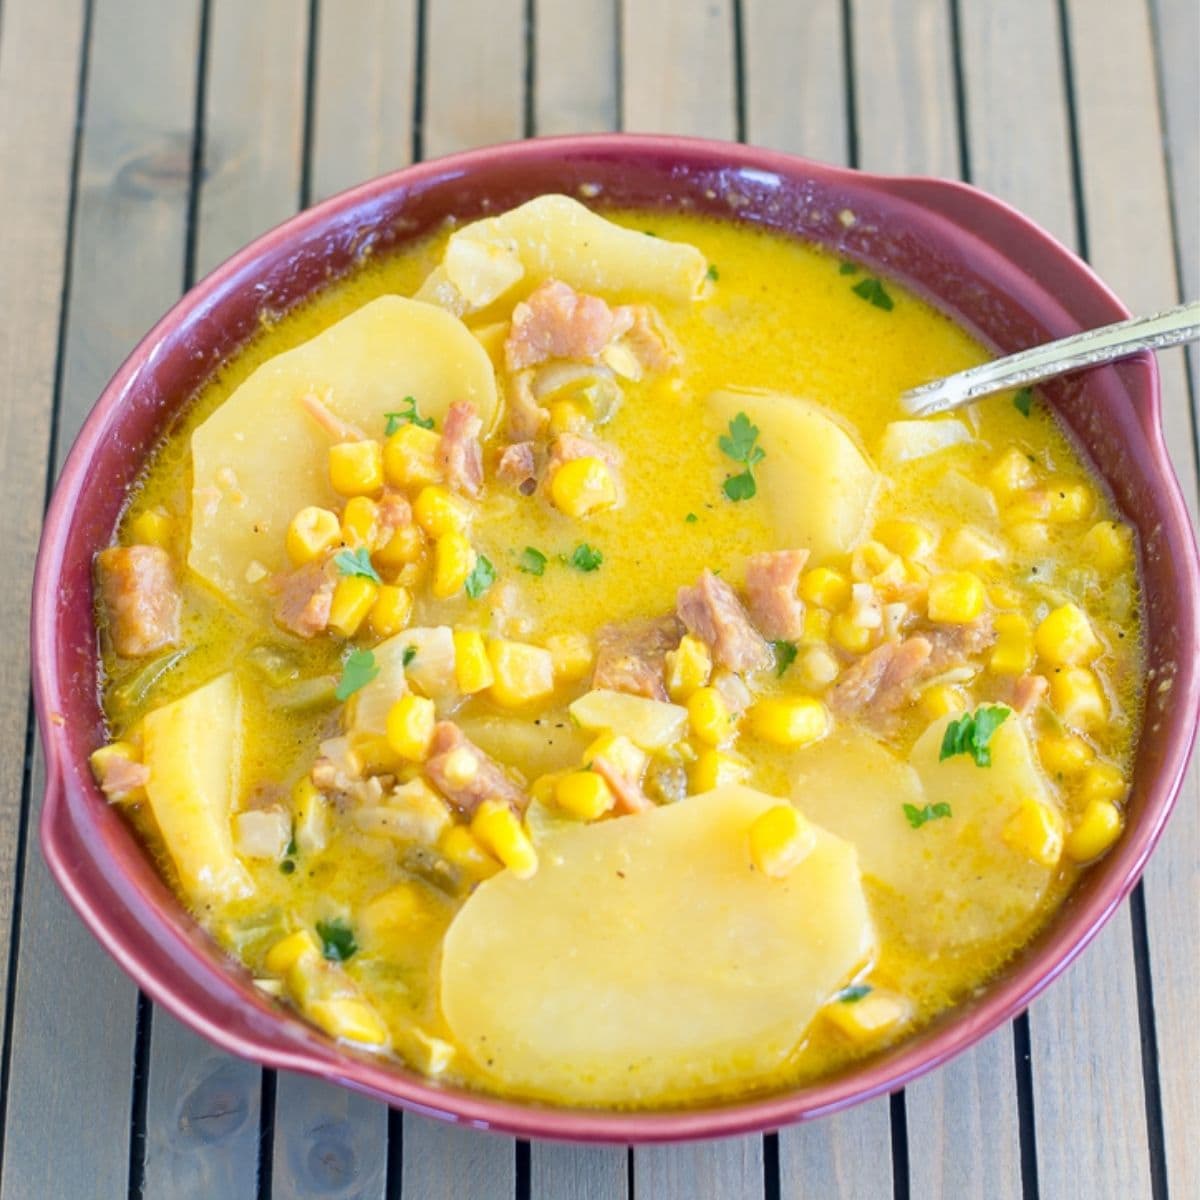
<point>730,1169</point>
<point>575,66</point>
<point>452,1162</point>
<point>840,1157</point>
<point>564,1172</point>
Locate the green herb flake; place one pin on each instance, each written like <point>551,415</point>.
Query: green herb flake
<point>712,272</point>
<point>408,415</point>
<point>531,561</point>
<point>972,733</point>
<point>848,268</point>
<point>585,557</point>
<point>410,653</point>
<point>785,655</point>
<point>337,940</point>
<point>691,518</point>
<point>357,671</point>
<point>287,867</point>
<point>853,993</point>
<point>740,445</point>
<point>482,576</point>
<point>1023,401</point>
<point>356,562</point>
<point>873,292</point>
<point>740,487</point>
<point>931,812</point>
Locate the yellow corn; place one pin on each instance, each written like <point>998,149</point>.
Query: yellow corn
<point>353,598</point>
<point>850,635</point>
<point>869,1017</point>
<point>1011,473</point>
<point>712,769</point>
<point>817,625</point>
<point>311,532</point>
<point>1108,547</point>
<point>708,716</point>
<point>400,908</point>
<point>100,760</point>
<point>391,611</point>
<point>687,668</point>
<point>789,721</point>
<point>373,752</point>
<point>942,699</point>
<point>453,561</point>
<point>524,673</point>
<point>584,794</point>
<point>817,666</point>
<point>406,545</point>
<point>1036,831</point>
<point>349,1018</point>
<point>438,511</point>
<point>1068,501</point>
<point>497,827</point>
<point>1102,781</point>
<point>1002,595</point>
<point>472,668</point>
<point>907,538</point>
<point>956,598</point>
<point>464,850</point>
<point>294,948</point>
<point>1095,831</point>
<point>618,754</point>
<point>1065,637</point>
<point>412,575</point>
<point>1076,695</point>
<point>1030,536</point>
<point>571,654</point>
<point>566,417</point>
<point>310,816</point>
<point>360,522</point>
<point>872,559</point>
<point>1064,753</point>
<point>410,457</point>
<point>780,839</point>
<point>825,587</point>
<point>410,723</point>
<point>1013,652</point>
<point>968,547</point>
<point>583,486</point>
<point>356,468</point>
<point>152,527</point>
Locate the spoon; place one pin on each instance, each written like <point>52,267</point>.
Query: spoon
<point>1087,349</point>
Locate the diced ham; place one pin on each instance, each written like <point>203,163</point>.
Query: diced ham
<point>119,777</point>
<point>518,467</point>
<point>305,598</point>
<point>882,680</point>
<point>329,421</point>
<point>395,512</point>
<point>952,645</point>
<point>712,612</point>
<point>569,446</point>
<point>733,691</point>
<point>526,418</point>
<point>559,322</point>
<point>459,453</point>
<point>648,339</point>
<point>772,586</point>
<point>1028,691</point>
<point>628,792</point>
<point>630,656</point>
<point>140,597</point>
<point>467,776</point>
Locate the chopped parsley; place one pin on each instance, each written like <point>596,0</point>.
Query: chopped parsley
<point>407,415</point>
<point>531,561</point>
<point>739,444</point>
<point>358,670</point>
<point>972,733</point>
<point>1023,401</point>
<point>853,993</point>
<point>337,940</point>
<point>585,557</point>
<point>287,866</point>
<point>410,652</point>
<point>691,518</point>
<point>356,562</point>
<point>482,576</point>
<point>848,268</point>
<point>785,655</point>
<point>873,292</point>
<point>712,272</point>
<point>931,812</point>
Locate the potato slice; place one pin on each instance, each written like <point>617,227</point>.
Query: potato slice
<point>550,742</point>
<point>192,748</point>
<point>953,881</point>
<point>904,441</point>
<point>651,724</point>
<point>647,960</point>
<point>818,483</point>
<point>261,456</point>
<point>555,237</point>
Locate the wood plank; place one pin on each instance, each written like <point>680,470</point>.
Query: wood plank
<point>452,1162</point>
<point>575,67</point>
<point>1121,141</point>
<point>564,1172</point>
<point>729,1169</point>
<point>131,212</point>
<point>364,92</point>
<point>847,1155</point>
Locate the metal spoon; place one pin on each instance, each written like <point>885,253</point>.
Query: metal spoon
<point>1087,349</point>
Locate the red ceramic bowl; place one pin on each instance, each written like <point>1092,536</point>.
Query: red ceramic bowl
<point>987,266</point>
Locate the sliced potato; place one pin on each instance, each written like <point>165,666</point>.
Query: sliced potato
<point>904,441</point>
<point>535,747</point>
<point>646,959</point>
<point>262,456</point>
<point>651,724</point>
<point>192,748</point>
<point>430,669</point>
<point>818,483</point>
<point>555,237</point>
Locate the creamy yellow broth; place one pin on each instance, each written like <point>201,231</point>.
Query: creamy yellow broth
<point>779,315</point>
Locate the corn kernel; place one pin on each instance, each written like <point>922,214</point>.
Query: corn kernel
<point>1068,501</point>
<point>497,827</point>
<point>956,598</point>
<point>1108,547</point>
<point>868,1017</point>
<point>406,545</point>
<point>105,759</point>
<point>970,548</point>
<point>571,654</point>
<point>567,417</point>
<point>1064,753</point>
<point>353,598</point>
<point>825,587</point>
<point>400,908</point>
<point>311,532</point>
<point>294,948</point>
<point>1077,697</point>
<point>438,512</point>
<point>712,769</point>
<point>942,699</point>
<point>1011,473</point>
<point>906,538</point>
<point>1004,596</point>
<point>453,561</point>
<point>310,817</point>
<point>391,611</point>
<point>789,721</point>
<point>360,522</point>
<point>1033,505</point>
<point>708,716</point>
<point>780,840</point>
<point>412,575</point>
<point>817,666</point>
<point>410,723</point>
<point>583,486</point>
<point>152,527</point>
<point>410,457</point>
<point>465,851</point>
<point>618,755</point>
<point>373,753</point>
<point>817,625</point>
<point>584,794</point>
<point>688,667</point>
<point>1030,536</point>
<point>1095,831</point>
<point>356,468</point>
<point>1103,781</point>
<point>1013,652</point>
<point>871,559</point>
<point>349,1018</point>
<point>1036,831</point>
<point>1065,637</point>
<point>524,673</point>
<point>472,667</point>
<point>852,637</point>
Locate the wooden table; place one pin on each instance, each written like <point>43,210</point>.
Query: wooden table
<point>141,141</point>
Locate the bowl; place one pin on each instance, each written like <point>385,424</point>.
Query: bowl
<point>972,256</point>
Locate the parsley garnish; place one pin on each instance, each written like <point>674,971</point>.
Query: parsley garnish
<point>337,940</point>
<point>531,561</point>
<point>931,812</point>
<point>585,557</point>
<point>408,415</point>
<point>1023,401</point>
<point>357,562</point>
<point>691,518</point>
<point>856,991</point>
<point>712,272</point>
<point>848,268</point>
<point>971,734</point>
<point>287,866</point>
<point>873,292</point>
<point>357,671</point>
<point>739,444</point>
<point>410,652</point>
<point>482,576</point>
<point>785,655</point>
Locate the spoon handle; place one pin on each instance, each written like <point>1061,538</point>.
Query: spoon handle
<point>1087,349</point>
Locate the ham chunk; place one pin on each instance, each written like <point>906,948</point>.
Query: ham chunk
<point>395,512</point>
<point>518,467</point>
<point>559,322</point>
<point>882,680</point>
<point>712,612</point>
<point>954,645</point>
<point>525,417</point>
<point>1028,691</point>
<point>119,777</point>
<point>772,586</point>
<point>459,453</point>
<point>630,657</point>
<point>647,338</point>
<point>467,776</point>
<point>305,599</point>
<point>140,597</point>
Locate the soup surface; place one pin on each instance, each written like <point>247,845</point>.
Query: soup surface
<point>581,681</point>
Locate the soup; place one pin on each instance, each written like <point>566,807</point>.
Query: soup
<point>549,657</point>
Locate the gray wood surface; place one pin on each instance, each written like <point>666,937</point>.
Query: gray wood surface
<point>844,1156</point>
<point>563,1172</point>
<point>731,1169</point>
<point>448,1162</point>
<point>575,68</point>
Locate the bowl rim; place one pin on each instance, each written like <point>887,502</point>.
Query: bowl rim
<point>73,867</point>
